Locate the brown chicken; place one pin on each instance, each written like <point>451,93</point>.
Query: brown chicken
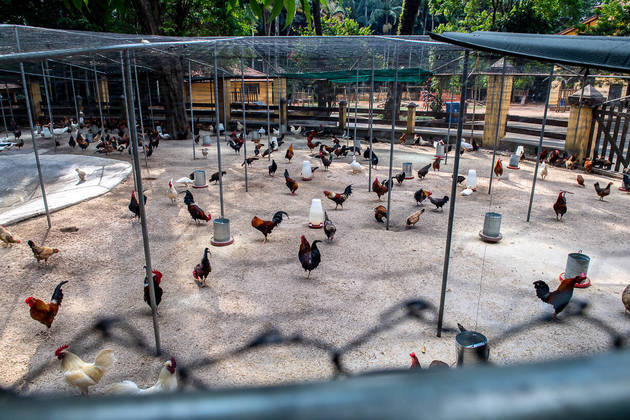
<point>580,181</point>
<point>602,192</point>
<point>559,298</point>
<point>498,168</point>
<point>436,164</point>
<point>403,138</point>
<point>81,374</point>
<point>215,176</point>
<point>413,219</point>
<point>203,269</point>
<point>7,237</point>
<point>42,252</point>
<point>266,226</point>
<point>289,154</point>
<point>379,189</point>
<point>339,199</point>
<point>292,185</point>
<point>309,255</point>
<point>588,166</point>
<point>46,312</point>
<point>560,206</point>
<point>415,363</point>
<point>249,161</point>
<point>380,213</point>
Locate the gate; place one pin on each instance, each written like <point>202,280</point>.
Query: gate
<point>609,132</point>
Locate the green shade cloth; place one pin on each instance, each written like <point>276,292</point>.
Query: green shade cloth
<point>407,75</point>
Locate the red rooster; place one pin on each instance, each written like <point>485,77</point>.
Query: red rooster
<point>46,312</point>
<point>195,211</point>
<point>266,226</point>
<point>560,297</point>
<point>339,199</point>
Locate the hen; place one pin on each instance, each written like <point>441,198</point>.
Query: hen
<point>413,219</point>
<point>436,164</point>
<point>380,213</point>
<point>289,154</point>
<point>400,178</point>
<point>46,312</point>
<point>7,237</point>
<point>329,227</point>
<point>415,363</point>
<point>439,202</point>
<point>326,161</point>
<point>339,199</point>
<point>166,382</point>
<point>422,172</point>
<point>309,255</point>
<point>157,279</point>
<point>560,206</point>
<point>580,181</point>
<point>559,298</point>
<point>379,188</point>
<point>249,161</point>
<point>498,168</point>
<point>266,226</point>
<point>421,195</point>
<point>292,185</point>
<point>81,374</point>
<point>195,211</point>
<point>272,168</point>
<point>42,252</point>
<point>602,192</point>
<point>203,269</point>
<point>215,176</point>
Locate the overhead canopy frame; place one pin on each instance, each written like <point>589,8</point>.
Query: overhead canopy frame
<point>406,75</point>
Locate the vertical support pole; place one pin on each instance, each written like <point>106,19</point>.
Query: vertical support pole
<point>371,121</point>
<point>216,110</point>
<point>74,97</point>
<point>496,131</point>
<point>144,148</point>
<point>150,103</point>
<point>192,117</point>
<point>268,116</point>
<point>450,119</point>
<point>6,87</point>
<point>30,121</point>
<point>133,137</point>
<point>127,113</point>
<point>244,118</point>
<point>4,118</point>
<point>50,114</point>
<point>540,142</point>
<point>451,212</point>
<point>475,99</point>
<point>356,106</point>
<point>98,98</point>
<point>577,120</point>
<point>391,142</point>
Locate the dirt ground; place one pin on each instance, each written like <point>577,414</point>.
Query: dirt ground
<point>363,272</point>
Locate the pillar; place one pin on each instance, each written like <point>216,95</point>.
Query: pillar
<point>411,120</point>
<point>36,99</point>
<point>577,140</point>
<point>284,113</point>
<point>225,101</point>
<point>104,89</point>
<point>343,114</point>
<point>494,115</point>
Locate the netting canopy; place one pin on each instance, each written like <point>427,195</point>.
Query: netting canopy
<point>407,75</point>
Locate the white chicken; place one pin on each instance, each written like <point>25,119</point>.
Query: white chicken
<point>81,174</point>
<point>81,374</point>
<point>544,171</point>
<point>185,180</point>
<point>204,152</point>
<point>60,131</point>
<point>275,132</point>
<point>172,192</point>
<point>296,131</point>
<point>166,382</point>
<point>262,131</point>
<point>239,126</point>
<point>356,166</point>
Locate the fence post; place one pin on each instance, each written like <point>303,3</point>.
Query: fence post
<point>411,120</point>
<point>494,115</point>
<point>284,113</point>
<point>343,114</point>
<point>578,130</point>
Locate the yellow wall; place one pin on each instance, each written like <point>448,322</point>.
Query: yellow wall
<point>203,91</point>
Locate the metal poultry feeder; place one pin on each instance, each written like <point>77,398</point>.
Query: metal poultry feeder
<point>439,150</point>
<point>491,228</point>
<point>577,263</point>
<point>514,159</point>
<point>221,235</point>
<point>200,179</point>
<point>472,348</point>
<point>206,140</point>
<point>408,170</point>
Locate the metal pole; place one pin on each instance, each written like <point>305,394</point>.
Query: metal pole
<point>50,115</point>
<point>244,118</point>
<point>127,112</point>
<point>192,119</point>
<point>475,99</point>
<point>216,109</point>
<point>450,118</point>
<point>391,142</point>
<point>268,116</point>
<point>540,143</point>
<point>451,213</point>
<point>4,118</point>
<point>74,96</point>
<point>135,69</point>
<point>496,131</point>
<point>143,217</point>
<point>356,106</point>
<point>150,103</point>
<point>371,121</point>
<point>30,121</point>
<point>6,87</point>
<point>98,98</point>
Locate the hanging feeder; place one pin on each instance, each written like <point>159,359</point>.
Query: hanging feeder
<point>577,263</point>
<point>514,159</point>
<point>200,179</point>
<point>307,173</point>
<point>316,215</point>
<point>471,179</point>
<point>221,235</point>
<point>439,150</point>
<point>255,135</point>
<point>205,140</point>
<point>408,170</point>
<point>472,348</point>
<point>491,228</point>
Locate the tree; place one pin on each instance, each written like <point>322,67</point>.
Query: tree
<point>408,16</point>
<point>383,12</point>
<point>614,19</point>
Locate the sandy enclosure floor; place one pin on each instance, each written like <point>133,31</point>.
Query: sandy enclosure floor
<point>363,272</point>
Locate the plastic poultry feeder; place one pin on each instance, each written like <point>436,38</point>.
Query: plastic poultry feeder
<point>408,170</point>
<point>307,173</point>
<point>206,140</point>
<point>514,159</point>
<point>316,215</point>
<point>471,179</point>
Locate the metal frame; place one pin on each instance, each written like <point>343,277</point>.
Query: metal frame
<point>391,143</point>
<point>496,131</point>
<point>371,127</point>
<point>50,114</point>
<point>216,109</point>
<point>244,119</point>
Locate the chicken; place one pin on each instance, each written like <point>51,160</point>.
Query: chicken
<point>235,146</point>
<point>403,138</point>
<point>339,199</point>
<point>215,176</point>
<point>194,210</point>
<point>380,212</point>
<point>326,161</point>
<point>166,382</point>
<point>374,160</point>
<point>257,148</point>
<point>289,154</point>
<point>295,131</point>
<point>71,142</point>
<point>157,279</point>
<point>272,168</point>
<point>413,219</point>
<point>422,172</point>
<point>588,166</point>
<point>20,143</point>
<point>46,312</point>
<point>580,181</point>
<point>291,184</point>
<point>460,179</point>
<point>379,189</point>
<point>309,255</point>
<point>415,363</point>
<point>80,174</point>
<point>626,180</point>
<point>560,206</point>
<point>81,374</point>
<point>172,192</point>
<point>201,270</point>
<point>421,195</point>
<point>134,206</point>
<point>249,161</point>
<point>439,202</point>
<point>329,227</point>
<point>625,298</point>
<point>436,164</point>
<point>266,226</point>
<point>544,171</point>
<point>42,252</point>
<point>498,168</point>
<point>559,298</point>
<point>7,237</point>
<point>602,192</point>
<point>571,163</point>
<point>400,178</point>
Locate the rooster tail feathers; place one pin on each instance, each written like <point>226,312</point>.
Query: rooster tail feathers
<point>542,290</point>
<point>277,217</point>
<point>58,293</point>
<point>286,173</point>
<point>124,387</point>
<point>348,190</point>
<point>104,359</point>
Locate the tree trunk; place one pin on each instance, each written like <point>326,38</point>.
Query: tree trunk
<point>408,16</point>
<point>317,17</point>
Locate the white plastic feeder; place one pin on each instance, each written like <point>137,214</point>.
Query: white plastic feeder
<point>221,128</point>
<point>471,179</point>
<point>262,131</point>
<point>439,150</point>
<point>255,135</point>
<point>316,215</point>
<point>205,140</point>
<point>514,159</point>
<point>408,170</point>
<point>307,173</point>
<point>46,132</point>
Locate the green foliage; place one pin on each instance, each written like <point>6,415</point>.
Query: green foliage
<point>614,19</point>
<point>334,26</point>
